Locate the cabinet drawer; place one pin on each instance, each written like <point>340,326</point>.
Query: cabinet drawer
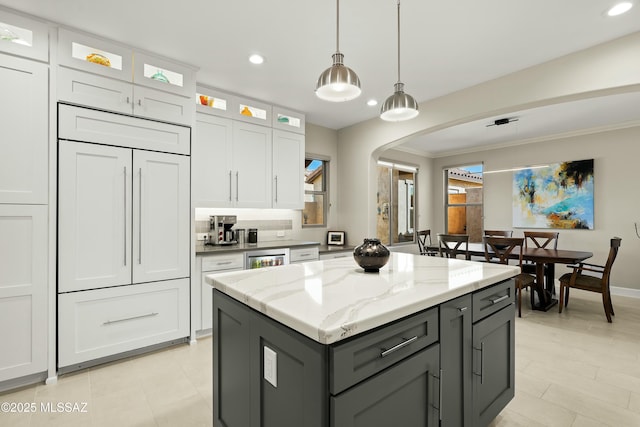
<point>364,356</point>
<point>333,255</point>
<point>306,254</point>
<point>222,262</point>
<point>83,124</point>
<point>488,301</point>
<point>103,322</point>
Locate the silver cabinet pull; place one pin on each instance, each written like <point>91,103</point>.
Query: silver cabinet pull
<point>499,299</point>
<point>237,185</point>
<point>124,218</point>
<point>111,322</point>
<point>481,374</point>
<point>276,189</point>
<point>128,100</point>
<point>230,186</point>
<point>140,219</point>
<point>462,309</point>
<point>139,102</point>
<point>224,262</point>
<point>398,347</point>
<point>440,400</point>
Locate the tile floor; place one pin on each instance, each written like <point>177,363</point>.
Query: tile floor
<point>572,369</point>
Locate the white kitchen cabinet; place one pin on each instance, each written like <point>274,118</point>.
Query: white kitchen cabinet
<point>123,216</point>
<point>208,265</point>
<point>23,290</point>
<point>103,322</point>
<point>231,163</point>
<point>24,36</point>
<point>24,114</point>
<point>252,145</point>
<point>212,161</point>
<point>155,88</point>
<point>288,169</point>
<point>304,254</point>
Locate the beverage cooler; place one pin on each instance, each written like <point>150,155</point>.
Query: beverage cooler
<point>266,258</point>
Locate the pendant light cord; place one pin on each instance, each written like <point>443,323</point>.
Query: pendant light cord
<point>398,41</point>
<point>337,26</point>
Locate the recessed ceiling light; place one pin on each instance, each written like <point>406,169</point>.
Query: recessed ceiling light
<point>620,8</point>
<point>372,102</point>
<point>256,59</point>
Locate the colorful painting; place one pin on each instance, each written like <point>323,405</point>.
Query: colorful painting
<point>554,196</point>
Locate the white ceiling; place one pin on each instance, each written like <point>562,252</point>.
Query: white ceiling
<point>446,46</point>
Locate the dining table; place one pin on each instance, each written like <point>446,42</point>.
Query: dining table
<point>545,286</point>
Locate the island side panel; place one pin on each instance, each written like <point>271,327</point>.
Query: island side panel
<point>299,396</point>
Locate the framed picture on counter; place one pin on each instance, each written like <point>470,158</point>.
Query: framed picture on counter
<point>335,238</point>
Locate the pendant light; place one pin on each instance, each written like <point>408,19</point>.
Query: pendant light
<point>338,83</point>
<point>399,106</point>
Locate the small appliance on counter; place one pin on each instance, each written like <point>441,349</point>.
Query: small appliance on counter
<point>221,232</point>
<point>252,237</point>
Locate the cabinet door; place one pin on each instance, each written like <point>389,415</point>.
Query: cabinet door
<point>252,165</point>
<point>23,290</point>
<point>25,125</point>
<point>94,216</point>
<point>161,210</point>
<point>94,90</point>
<point>456,361</point>
<point>155,104</point>
<point>288,170</point>
<point>494,364</point>
<point>406,395</point>
<point>211,161</point>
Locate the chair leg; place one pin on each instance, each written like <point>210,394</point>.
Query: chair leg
<point>519,301</point>
<point>610,303</point>
<point>566,296</point>
<point>561,297</point>
<point>607,305</point>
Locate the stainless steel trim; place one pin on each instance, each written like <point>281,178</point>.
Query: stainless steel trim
<point>230,186</point>
<point>110,322</point>
<point>237,185</point>
<point>398,347</point>
<point>462,309</point>
<point>140,218</point>
<point>499,299</point>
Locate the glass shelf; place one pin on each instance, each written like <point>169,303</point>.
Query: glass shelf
<point>15,34</point>
<point>211,101</point>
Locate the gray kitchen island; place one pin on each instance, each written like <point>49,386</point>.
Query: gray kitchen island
<point>426,341</point>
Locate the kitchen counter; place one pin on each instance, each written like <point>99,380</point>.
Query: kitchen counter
<point>331,300</point>
<point>202,249</point>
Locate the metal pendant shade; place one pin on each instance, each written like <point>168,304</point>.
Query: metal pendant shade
<point>399,106</point>
<point>338,83</point>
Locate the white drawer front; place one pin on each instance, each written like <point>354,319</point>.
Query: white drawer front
<point>222,262</point>
<point>83,124</point>
<point>333,255</point>
<point>306,254</point>
<point>103,322</point>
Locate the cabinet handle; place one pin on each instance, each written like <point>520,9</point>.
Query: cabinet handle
<point>110,322</point>
<point>440,395</point>
<point>462,309</point>
<point>499,299</point>
<point>398,347</point>
<point>140,218</point>
<point>140,102</point>
<point>229,185</point>
<point>481,374</point>
<point>237,185</point>
<point>223,263</point>
<point>276,188</point>
<point>128,100</point>
<point>124,218</point>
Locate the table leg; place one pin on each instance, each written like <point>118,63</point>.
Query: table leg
<point>544,294</point>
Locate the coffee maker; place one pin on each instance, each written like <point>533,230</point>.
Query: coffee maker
<point>220,230</point>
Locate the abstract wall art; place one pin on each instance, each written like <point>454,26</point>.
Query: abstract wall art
<point>554,196</point>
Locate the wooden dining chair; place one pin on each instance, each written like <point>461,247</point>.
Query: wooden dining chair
<point>498,233</point>
<point>424,243</point>
<point>499,250</point>
<point>596,280</point>
<point>450,245</point>
<point>542,240</point>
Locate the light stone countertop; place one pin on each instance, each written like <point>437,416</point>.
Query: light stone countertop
<point>334,299</point>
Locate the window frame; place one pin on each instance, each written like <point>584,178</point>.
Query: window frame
<point>326,162</point>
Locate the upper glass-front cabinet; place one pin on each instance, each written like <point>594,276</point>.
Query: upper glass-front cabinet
<point>23,36</point>
<point>249,110</point>
<point>290,120</point>
<point>87,53</point>
<point>214,102</point>
<point>164,75</point>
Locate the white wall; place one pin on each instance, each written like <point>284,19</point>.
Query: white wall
<point>617,200</point>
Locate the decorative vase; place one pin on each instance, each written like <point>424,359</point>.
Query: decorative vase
<point>371,255</point>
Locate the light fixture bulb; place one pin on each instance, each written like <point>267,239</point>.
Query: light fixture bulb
<point>620,8</point>
<point>256,59</point>
<point>372,102</point>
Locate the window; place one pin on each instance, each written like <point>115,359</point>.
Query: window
<point>463,204</point>
<point>396,203</point>
<point>316,198</point>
